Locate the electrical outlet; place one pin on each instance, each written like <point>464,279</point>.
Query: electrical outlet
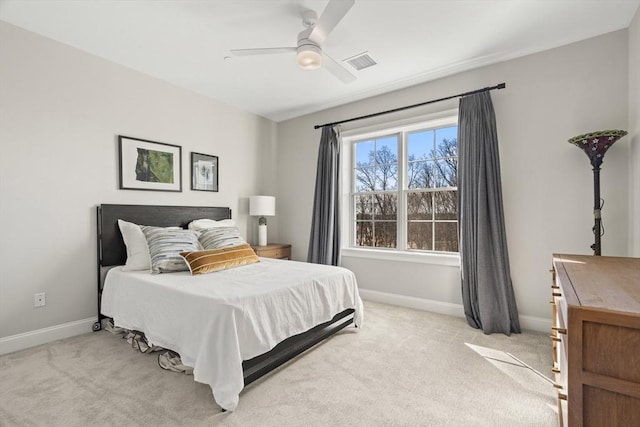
<point>39,299</point>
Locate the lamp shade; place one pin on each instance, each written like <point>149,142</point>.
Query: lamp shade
<point>262,206</point>
<point>595,144</point>
<point>309,57</point>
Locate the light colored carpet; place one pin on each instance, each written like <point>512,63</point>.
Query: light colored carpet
<point>403,368</point>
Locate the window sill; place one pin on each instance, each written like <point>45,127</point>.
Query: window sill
<point>403,256</point>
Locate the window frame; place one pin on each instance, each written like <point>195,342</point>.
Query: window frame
<point>402,128</point>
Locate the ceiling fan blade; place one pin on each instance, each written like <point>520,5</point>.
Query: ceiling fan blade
<point>332,15</point>
<point>262,51</point>
<point>337,69</point>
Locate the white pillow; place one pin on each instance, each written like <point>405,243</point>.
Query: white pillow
<point>137,249</point>
<point>204,224</point>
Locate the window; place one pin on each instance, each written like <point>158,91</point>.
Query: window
<point>404,188</point>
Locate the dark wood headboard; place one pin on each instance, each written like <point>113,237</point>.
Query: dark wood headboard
<point>111,249</point>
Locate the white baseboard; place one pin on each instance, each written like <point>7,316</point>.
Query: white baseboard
<point>42,336</point>
<point>413,302</point>
<point>539,324</point>
<point>526,322</point>
<point>65,330</point>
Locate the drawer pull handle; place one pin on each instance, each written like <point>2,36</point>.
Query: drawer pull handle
<point>559,330</point>
<point>555,287</point>
<point>555,370</point>
<point>554,338</point>
<point>562,396</point>
<point>556,385</point>
<point>557,294</point>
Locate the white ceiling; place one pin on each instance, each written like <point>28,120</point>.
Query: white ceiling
<point>186,42</point>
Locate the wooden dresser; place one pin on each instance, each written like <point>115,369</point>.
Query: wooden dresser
<point>596,340</point>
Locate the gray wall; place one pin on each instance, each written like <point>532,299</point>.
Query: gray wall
<point>547,182</point>
<point>61,110</point>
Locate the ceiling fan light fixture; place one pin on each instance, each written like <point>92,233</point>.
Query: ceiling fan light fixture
<point>309,57</point>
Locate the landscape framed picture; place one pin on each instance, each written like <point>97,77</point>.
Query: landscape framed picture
<point>204,172</point>
<point>149,165</point>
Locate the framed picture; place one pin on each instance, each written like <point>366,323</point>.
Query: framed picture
<point>149,165</point>
<point>204,172</point>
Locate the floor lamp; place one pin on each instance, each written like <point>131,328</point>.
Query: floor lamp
<point>594,145</point>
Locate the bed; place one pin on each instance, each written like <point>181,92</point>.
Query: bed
<point>231,326</point>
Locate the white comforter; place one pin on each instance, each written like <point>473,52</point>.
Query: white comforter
<point>215,321</point>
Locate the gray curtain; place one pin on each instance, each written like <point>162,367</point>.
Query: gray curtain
<point>324,242</point>
<point>487,292</point>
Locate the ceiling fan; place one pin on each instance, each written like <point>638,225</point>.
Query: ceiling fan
<point>309,53</point>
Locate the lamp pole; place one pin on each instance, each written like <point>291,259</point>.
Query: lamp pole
<point>597,227</point>
<point>594,145</point>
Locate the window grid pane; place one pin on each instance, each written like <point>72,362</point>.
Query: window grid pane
<point>446,205</point>
<point>446,236</point>
<point>385,234</point>
<point>376,219</point>
<point>364,233</point>
<point>420,235</point>
<point>419,206</point>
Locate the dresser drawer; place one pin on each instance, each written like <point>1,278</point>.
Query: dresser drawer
<point>596,331</point>
<point>560,344</point>
<point>273,250</point>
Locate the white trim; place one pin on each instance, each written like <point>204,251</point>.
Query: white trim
<point>400,129</point>
<point>42,336</point>
<point>450,259</point>
<point>440,118</point>
<point>531,323</point>
<point>539,324</point>
<point>440,307</point>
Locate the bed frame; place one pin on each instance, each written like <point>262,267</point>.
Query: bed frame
<point>112,252</point>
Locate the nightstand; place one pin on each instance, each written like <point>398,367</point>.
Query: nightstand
<point>273,250</point>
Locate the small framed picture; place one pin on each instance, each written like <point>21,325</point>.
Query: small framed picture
<point>204,172</point>
<point>149,165</point>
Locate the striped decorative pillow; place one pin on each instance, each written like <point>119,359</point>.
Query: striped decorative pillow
<point>165,245</point>
<point>208,261</point>
<point>220,237</point>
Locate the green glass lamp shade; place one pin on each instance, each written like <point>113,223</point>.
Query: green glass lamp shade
<point>595,144</point>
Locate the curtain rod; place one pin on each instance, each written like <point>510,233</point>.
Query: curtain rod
<point>498,86</point>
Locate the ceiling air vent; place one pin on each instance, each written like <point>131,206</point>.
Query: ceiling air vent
<point>361,61</point>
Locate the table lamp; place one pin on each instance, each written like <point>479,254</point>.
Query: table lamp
<point>262,206</point>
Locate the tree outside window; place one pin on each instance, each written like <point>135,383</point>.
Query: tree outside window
<point>415,198</point>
